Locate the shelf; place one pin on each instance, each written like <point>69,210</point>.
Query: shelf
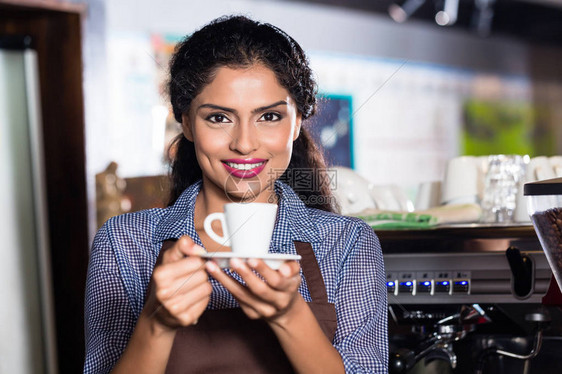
<point>46,5</point>
<point>460,231</point>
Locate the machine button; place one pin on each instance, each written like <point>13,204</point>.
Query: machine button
<point>406,283</point>
<point>461,286</point>
<point>424,287</point>
<point>425,282</point>
<point>406,287</point>
<point>443,286</point>
<point>391,287</point>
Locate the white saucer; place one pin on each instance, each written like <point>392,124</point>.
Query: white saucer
<point>273,260</point>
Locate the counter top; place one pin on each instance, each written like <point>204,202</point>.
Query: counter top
<point>471,238</point>
<point>460,231</point>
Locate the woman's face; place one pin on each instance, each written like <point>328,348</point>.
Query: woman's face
<point>243,125</point>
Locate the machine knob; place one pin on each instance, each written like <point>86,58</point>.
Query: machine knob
<point>401,361</point>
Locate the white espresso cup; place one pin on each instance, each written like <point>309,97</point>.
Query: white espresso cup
<point>539,168</point>
<point>556,163</point>
<point>428,196</point>
<point>460,185</point>
<point>247,227</point>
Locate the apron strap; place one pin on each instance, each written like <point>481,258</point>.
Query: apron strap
<point>312,273</point>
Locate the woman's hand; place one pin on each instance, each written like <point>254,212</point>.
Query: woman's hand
<point>180,288</point>
<point>271,298</point>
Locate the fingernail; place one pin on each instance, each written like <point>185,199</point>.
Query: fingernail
<point>253,262</point>
<point>235,263</point>
<point>284,270</point>
<point>183,242</point>
<point>211,266</point>
<point>199,250</point>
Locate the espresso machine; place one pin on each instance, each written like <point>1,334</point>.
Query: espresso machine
<point>467,298</point>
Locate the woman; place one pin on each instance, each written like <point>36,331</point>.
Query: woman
<point>241,91</point>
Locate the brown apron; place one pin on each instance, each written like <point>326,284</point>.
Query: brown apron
<point>226,341</point>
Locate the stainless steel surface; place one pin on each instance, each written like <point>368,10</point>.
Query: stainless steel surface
<point>426,316</point>
<point>41,215</point>
<point>460,264</point>
<point>30,344</point>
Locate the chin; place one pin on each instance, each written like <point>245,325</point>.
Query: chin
<point>243,190</point>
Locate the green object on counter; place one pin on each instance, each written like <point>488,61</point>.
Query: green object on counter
<point>397,220</point>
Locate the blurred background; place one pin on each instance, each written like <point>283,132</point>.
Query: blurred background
<point>402,98</point>
<point>406,86</point>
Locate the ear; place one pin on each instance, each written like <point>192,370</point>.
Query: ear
<point>186,128</point>
<point>298,124</point>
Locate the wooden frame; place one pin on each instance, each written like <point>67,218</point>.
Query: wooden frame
<point>55,28</point>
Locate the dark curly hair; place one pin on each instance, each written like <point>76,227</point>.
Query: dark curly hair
<point>237,41</point>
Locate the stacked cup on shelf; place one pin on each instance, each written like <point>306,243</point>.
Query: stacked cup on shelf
<point>495,182</point>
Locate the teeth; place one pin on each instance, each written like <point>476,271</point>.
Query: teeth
<point>244,166</point>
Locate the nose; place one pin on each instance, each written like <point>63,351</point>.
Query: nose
<point>244,138</point>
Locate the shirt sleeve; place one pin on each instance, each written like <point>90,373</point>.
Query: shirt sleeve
<point>109,318</point>
<point>361,307</point>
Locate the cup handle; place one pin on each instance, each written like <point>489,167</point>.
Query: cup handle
<point>223,240</point>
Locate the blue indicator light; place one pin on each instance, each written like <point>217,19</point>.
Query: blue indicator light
<point>408,284</point>
<point>445,283</point>
<point>390,284</point>
<point>464,283</point>
<point>426,283</point>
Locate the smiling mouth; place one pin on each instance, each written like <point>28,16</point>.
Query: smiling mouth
<point>244,166</point>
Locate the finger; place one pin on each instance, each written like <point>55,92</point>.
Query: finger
<point>257,309</point>
<point>184,246</point>
<point>290,269</point>
<point>181,303</point>
<point>256,285</point>
<point>277,279</point>
<point>180,285</point>
<point>252,281</point>
<point>232,285</point>
<point>191,316</point>
<point>270,275</point>
<point>252,304</point>
<point>181,268</point>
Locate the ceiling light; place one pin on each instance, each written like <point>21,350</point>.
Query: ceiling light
<point>448,16</point>
<point>401,13</point>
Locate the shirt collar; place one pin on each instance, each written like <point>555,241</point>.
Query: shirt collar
<point>293,220</point>
<point>293,217</point>
<point>178,220</point>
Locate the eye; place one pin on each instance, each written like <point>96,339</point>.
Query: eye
<point>270,117</point>
<point>218,118</point>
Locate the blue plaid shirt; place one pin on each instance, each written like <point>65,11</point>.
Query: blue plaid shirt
<point>125,249</point>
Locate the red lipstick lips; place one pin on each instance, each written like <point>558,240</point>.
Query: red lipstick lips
<point>238,169</point>
<point>245,160</point>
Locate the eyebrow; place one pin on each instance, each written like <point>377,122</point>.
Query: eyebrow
<point>230,110</point>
